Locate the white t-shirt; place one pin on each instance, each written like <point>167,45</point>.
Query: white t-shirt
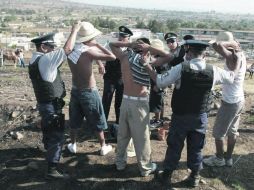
<point>49,62</point>
<point>233,93</point>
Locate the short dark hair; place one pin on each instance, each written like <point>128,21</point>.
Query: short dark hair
<point>37,46</point>
<point>197,50</point>
<point>145,40</point>
<point>188,37</point>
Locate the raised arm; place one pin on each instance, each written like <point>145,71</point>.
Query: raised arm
<point>68,46</point>
<point>101,54</point>
<point>232,59</point>
<point>116,48</point>
<point>154,51</point>
<point>163,56</point>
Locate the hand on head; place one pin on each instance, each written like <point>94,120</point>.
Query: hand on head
<point>143,46</point>
<point>76,25</point>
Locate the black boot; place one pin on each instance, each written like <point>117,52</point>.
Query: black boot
<point>193,180</point>
<point>164,177</point>
<point>54,173</point>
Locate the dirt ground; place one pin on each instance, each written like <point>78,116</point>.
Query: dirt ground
<point>22,164</point>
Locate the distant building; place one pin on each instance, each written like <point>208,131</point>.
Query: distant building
<point>246,38</point>
<point>10,41</point>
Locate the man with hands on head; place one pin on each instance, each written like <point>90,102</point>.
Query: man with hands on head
<point>85,99</point>
<point>232,103</point>
<point>134,114</point>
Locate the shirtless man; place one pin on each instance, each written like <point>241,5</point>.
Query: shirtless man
<point>85,99</point>
<point>134,114</point>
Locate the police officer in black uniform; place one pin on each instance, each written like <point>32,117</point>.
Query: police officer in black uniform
<point>113,78</point>
<point>176,48</point>
<point>49,92</point>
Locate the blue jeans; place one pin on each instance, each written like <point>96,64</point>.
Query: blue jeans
<point>22,62</point>
<point>53,138</point>
<point>87,103</point>
<point>192,128</point>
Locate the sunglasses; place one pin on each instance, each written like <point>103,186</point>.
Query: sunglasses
<point>171,41</point>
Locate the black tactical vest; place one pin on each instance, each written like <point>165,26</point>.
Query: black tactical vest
<point>194,95</point>
<point>45,91</point>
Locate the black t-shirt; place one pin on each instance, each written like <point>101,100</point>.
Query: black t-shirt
<point>113,70</point>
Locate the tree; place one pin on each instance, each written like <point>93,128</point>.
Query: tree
<point>202,25</point>
<point>173,24</point>
<point>141,24</point>
<point>111,24</point>
<point>156,26</point>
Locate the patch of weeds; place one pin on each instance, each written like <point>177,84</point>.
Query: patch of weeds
<point>217,184</point>
<point>250,119</point>
<point>238,185</point>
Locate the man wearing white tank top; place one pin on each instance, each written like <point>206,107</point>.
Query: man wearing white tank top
<point>228,117</point>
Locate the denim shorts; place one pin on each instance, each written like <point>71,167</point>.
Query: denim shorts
<point>87,103</point>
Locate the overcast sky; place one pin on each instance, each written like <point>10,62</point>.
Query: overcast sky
<point>226,6</point>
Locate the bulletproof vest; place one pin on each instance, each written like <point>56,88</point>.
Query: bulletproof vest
<point>113,70</point>
<point>45,91</point>
<point>194,95</point>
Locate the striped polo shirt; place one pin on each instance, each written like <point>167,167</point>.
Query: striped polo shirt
<point>139,72</point>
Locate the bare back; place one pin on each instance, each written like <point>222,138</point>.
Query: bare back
<point>130,87</point>
<point>82,72</point>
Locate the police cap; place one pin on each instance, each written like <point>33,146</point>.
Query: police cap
<point>125,32</point>
<point>170,35</point>
<point>196,44</point>
<point>45,39</point>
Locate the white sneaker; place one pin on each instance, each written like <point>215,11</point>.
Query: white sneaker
<point>214,161</point>
<point>153,169</point>
<point>229,162</point>
<point>105,149</point>
<point>72,148</point>
<point>131,154</point>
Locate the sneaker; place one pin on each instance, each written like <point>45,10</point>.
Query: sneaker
<point>53,173</point>
<point>152,120</point>
<point>192,181</point>
<point>229,162</point>
<point>72,148</point>
<point>131,154</point>
<point>214,161</point>
<point>147,173</point>
<point>155,123</point>
<point>105,149</point>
